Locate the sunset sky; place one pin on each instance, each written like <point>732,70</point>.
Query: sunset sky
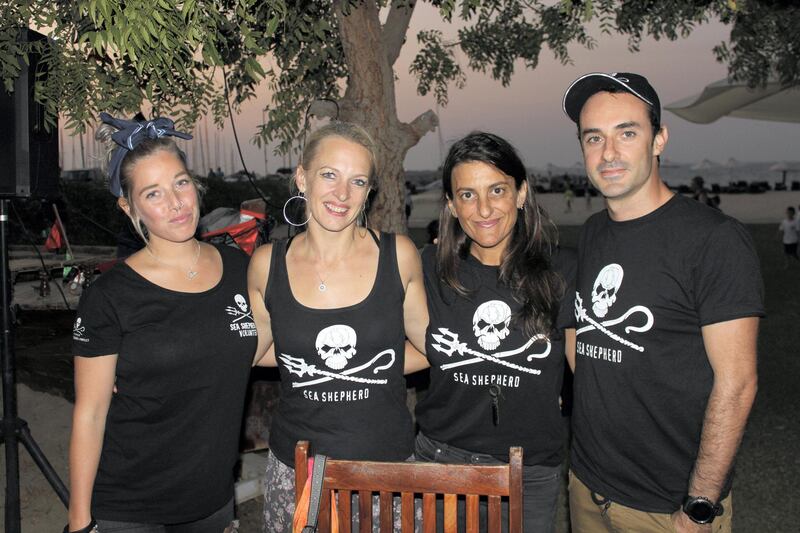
<point>528,112</point>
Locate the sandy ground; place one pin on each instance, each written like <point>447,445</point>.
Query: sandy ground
<point>48,418</point>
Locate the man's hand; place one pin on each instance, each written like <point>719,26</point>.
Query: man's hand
<point>684,524</point>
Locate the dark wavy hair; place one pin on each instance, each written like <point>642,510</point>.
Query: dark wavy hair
<point>652,112</point>
<point>526,264</point>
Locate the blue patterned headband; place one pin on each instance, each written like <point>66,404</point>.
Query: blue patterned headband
<point>130,134</point>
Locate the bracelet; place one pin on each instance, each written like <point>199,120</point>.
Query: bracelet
<point>91,528</point>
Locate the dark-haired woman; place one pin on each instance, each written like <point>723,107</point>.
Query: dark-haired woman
<point>495,341</point>
<point>171,328</point>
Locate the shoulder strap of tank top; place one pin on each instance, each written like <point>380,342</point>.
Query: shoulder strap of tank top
<point>375,237</point>
<point>277,267</point>
<point>388,260</point>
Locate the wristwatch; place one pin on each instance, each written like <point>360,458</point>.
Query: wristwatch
<point>701,510</point>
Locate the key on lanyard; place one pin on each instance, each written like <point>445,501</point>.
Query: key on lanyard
<point>495,394</point>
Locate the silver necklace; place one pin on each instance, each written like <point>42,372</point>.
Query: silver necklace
<point>191,273</point>
<point>322,287</point>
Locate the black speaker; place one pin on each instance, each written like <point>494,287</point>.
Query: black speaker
<point>28,151</point>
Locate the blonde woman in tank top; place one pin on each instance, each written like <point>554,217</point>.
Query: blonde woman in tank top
<point>338,301</point>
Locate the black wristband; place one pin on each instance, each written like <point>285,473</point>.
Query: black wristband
<point>88,529</point>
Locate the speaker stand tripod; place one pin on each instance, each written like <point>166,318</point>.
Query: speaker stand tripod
<point>15,429</point>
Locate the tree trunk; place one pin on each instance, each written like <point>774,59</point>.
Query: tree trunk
<point>369,100</point>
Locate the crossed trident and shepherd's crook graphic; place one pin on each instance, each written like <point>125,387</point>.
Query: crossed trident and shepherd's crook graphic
<point>239,314</point>
<point>299,367</point>
<point>582,316</point>
<point>448,344</point>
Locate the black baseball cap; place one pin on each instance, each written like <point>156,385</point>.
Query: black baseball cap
<point>587,85</point>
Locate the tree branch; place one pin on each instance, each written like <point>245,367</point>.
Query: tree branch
<point>427,121</point>
<point>396,27</point>
<point>324,109</point>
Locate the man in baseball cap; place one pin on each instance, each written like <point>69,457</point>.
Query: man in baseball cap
<point>586,86</point>
<point>667,305</point>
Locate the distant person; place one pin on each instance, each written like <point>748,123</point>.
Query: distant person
<point>700,193</point>
<point>587,192</point>
<point>568,196</point>
<point>667,305</point>
<point>790,227</point>
<point>433,231</point>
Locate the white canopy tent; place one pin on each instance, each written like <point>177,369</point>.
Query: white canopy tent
<point>735,99</point>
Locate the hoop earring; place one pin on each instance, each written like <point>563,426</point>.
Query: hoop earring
<point>286,217</point>
<point>361,220</point>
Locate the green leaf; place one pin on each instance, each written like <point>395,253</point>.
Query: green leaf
<point>188,9</point>
<point>272,25</point>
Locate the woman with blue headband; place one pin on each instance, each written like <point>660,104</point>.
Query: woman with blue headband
<point>171,329</point>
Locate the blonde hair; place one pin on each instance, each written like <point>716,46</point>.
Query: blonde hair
<point>345,130</point>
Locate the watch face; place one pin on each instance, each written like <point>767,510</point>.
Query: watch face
<point>700,511</point>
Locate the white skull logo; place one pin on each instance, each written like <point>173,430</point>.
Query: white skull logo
<point>490,323</point>
<point>606,286</point>
<point>241,302</point>
<point>77,329</point>
<point>336,345</point>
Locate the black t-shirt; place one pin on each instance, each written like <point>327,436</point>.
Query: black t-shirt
<point>457,408</point>
<point>172,432</point>
<point>645,289</point>
<point>342,384</point>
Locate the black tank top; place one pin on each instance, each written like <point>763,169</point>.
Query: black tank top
<point>342,384</point>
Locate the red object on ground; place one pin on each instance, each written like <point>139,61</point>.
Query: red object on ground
<point>245,234</point>
<point>55,241</point>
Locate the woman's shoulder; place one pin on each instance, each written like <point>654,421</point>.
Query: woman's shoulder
<point>407,252</point>
<point>403,243</point>
<point>258,270</point>
<point>117,277</point>
<point>262,256</point>
<point>119,286</point>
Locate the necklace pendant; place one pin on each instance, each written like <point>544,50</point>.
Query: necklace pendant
<point>191,274</point>
<point>322,287</point>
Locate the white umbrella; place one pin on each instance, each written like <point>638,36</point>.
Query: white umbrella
<point>734,99</point>
<point>783,168</point>
<point>780,167</point>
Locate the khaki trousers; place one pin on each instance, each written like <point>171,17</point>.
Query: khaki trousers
<point>586,516</point>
